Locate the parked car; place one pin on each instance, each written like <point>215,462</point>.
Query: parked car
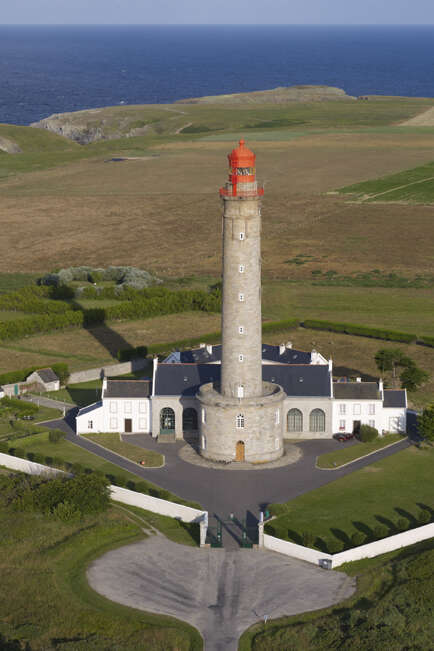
<point>343,436</point>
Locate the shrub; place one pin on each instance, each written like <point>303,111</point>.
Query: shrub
<point>66,512</point>
<point>381,531</point>
<point>358,538</point>
<point>55,435</point>
<point>362,331</point>
<point>4,447</point>
<point>307,538</point>
<point>49,461</point>
<point>77,468</point>
<point>335,546</point>
<point>424,516</point>
<point>367,433</point>
<point>402,524</point>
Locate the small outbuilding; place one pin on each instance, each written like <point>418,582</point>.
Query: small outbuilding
<point>45,378</point>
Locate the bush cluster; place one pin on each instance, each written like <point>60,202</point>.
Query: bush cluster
<point>426,341</point>
<point>128,276</point>
<point>18,328</point>
<point>65,497</point>
<point>367,433</point>
<point>61,370</point>
<point>32,300</point>
<point>362,331</point>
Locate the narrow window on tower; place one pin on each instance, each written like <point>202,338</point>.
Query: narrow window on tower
<point>203,416</point>
<point>242,236</point>
<point>277,417</point>
<point>240,421</point>
<point>241,330</point>
<point>241,358</point>
<point>241,298</point>
<point>241,268</point>
<point>240,391</point>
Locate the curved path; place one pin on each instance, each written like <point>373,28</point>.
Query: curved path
<point>219,592</point>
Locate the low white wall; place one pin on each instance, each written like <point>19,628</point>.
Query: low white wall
<point>369,550</point>
<point>385,545</point>
<point>107,371</point>
<point>29,467</point>
<point>296,551</point>
<point>154,504</point>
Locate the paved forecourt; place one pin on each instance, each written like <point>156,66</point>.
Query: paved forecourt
<point>220,592</point>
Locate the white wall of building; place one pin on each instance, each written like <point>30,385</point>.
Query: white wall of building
<point>394,419</point>
<point>111,414</point>
<point>345,412</point>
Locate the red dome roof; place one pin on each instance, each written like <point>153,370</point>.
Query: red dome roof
<point>242,156</point>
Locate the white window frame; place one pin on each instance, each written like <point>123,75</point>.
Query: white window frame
<point>371,409</point>
<point>203,415</point>
<point>143,407</point>
<point>241,357</point>
<point>114,423</point>
<point>241,330</point>
<point>240,391</point>
<point>371,423</point>
<point>113,407</point>
<point>241,268</point>
<point>277,417</point>
<point>241,298</point>
<point>342,409</point>
<point>242,236</point>
<point>127,407</point>
<point>90,424</point>
<point>357,409</point>
<point>342,425</point>
<point>239,421</point>
<point>142,424</point>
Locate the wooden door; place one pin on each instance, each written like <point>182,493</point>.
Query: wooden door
<point>128,425</point>
<point>239,452</point>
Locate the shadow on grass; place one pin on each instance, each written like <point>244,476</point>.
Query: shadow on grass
<point>409,516</point>
<point>387,523</point>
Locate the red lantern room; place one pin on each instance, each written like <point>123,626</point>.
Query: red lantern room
<point>242,174</point>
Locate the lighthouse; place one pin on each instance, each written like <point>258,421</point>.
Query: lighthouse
<point>242,416</point>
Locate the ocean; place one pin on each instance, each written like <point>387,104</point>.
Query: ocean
<point>53,69</point>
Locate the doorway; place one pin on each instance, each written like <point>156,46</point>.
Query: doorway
<point>128,425</point>
<point>356,427</point>
<point>239,451</point>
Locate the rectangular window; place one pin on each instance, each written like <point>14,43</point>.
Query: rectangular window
<point>356,410</point>
<point>142,407</point>
<point>113,407</point>
<point>241,358</point>
<point>372,423</point>
<point>203,416</point>
<point>342,409</point>
<point>127,407</point>
<point>240,421</point>
<point>241,268</point>
<point>277,417</point>
<point>241,298</point>
<point>371,409</point>
<point>242,236</point>
<point>142,424</point>
<point>241,330</point>
<point>113,423</point>
<point>342,425</point>
<point>240,391</point>
<point>90,424</point>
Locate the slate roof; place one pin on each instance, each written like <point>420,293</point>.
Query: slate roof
<point>90,408</point>
<point>128,389</point>
<point>47,375</point>
<point>185,379</point>
<point>269,353</point>
<point>356,391</point>
<point>394,398</point>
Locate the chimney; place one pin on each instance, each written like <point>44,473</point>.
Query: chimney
<point>202,345</point>
<point>330,365</point>
<point>282,349</point>
<point>381,388</point>
<point>358,379</point>
<point>289,344</point>
<point>209,349</point>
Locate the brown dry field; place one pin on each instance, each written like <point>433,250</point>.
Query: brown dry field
<point>82,348</point>
<point>163,213</point>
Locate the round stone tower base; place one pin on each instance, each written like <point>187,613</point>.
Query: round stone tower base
<point>242,429</point>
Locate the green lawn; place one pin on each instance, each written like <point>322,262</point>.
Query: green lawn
<point>346,454</point>
<point>22,427</point>
<point>379,494</point>
<point>179,532</point>
<point>415,185</point>
<point>46,602</point>
<point>82,394</point>
<point>391,609</point>
<point>113,442</point>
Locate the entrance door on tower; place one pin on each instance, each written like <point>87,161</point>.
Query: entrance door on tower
<point>128,428</point>
<point>239,452</point>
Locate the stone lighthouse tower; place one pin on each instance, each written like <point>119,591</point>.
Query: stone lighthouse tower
<point>242,417</point>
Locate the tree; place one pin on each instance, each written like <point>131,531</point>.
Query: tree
<point>388,359</point>
<point>413,377</point>
<point>425,423</point>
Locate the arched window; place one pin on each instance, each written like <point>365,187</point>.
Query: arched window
<point>240,421</point>
<point>317,420</point>
<point>167,418</point>
<point>295,420</point>
<point>189,419</point>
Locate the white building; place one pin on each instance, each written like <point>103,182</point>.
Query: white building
<point>45,378</point>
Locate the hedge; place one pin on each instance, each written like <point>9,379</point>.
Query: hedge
<point>362,331</point>
<point>426,341</point>
<point>34,300</point>
<point>18,328</point>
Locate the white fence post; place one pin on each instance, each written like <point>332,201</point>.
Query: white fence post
<point>203,529</point>
<point>261,530</point>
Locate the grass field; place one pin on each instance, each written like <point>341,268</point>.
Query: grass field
<point>381,493</point>
<point>346,454</point>
<point>391,609</point>
<point>22,427</point>
<point>81,394</point>
<point>46,601</point>
<point>115,443</point>
<point>413,186</point>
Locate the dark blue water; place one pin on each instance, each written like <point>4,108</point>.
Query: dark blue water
<point>51,69</point>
